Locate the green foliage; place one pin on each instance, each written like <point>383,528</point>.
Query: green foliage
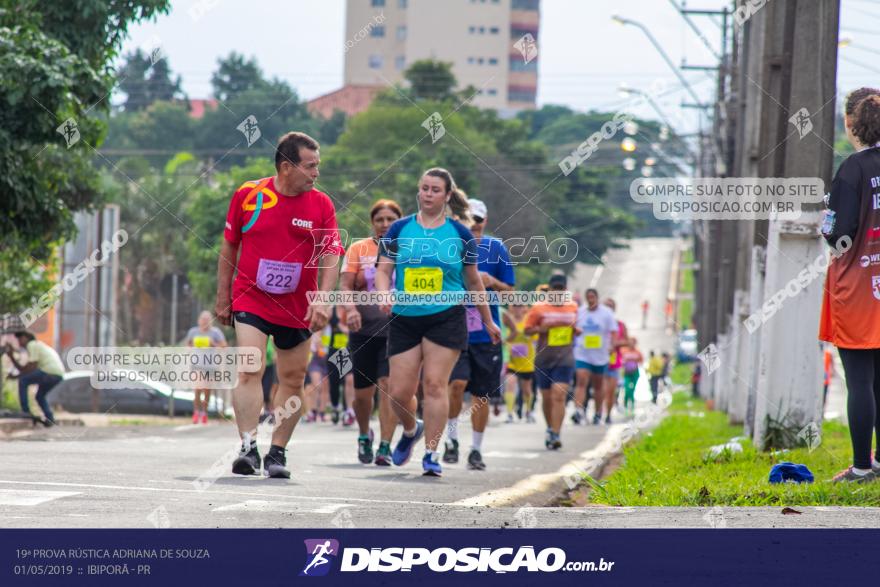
<point>236,75</point>
<point>144,82</point>
<point>54,66</point>
<point>430,80</point>
<point>667,467</point>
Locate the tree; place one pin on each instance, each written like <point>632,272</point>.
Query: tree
<point>133,81</point>
<point>144,81</point>
<point>54,75</point>
<point>236,75</point>
<point>430,80</point>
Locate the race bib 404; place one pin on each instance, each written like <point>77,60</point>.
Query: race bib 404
<point>423,279</point>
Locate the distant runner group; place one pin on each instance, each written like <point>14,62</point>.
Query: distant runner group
<point>412,362</point>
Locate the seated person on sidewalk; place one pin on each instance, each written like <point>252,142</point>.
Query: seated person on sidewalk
<point>44,368</point>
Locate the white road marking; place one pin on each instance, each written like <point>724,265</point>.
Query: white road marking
<point>31,497</point>
<point>259,505</point>
<point>500,454</point>
<point>218,493</point>
<point>596,275</point>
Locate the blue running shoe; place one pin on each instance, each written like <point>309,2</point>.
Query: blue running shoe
<point>403,450</point>
<point>432,465</point>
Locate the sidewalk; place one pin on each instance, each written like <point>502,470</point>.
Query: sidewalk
<point>17,427</point>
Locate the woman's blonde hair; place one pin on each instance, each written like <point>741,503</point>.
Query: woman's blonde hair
<point>458,202</point>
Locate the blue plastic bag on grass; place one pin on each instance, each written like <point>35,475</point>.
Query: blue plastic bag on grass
<point>790,472</point>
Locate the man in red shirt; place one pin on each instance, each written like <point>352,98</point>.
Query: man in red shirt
<point>279,230</point>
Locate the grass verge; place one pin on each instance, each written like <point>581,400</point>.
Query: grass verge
<point>667,467</point>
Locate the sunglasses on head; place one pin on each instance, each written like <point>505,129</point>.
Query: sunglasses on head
<point>478,219</point>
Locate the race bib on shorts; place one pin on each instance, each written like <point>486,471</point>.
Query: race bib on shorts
<point>423,279</point>
<point>519,350</point>
<point>202,342</point>
<point>593,341</point>
<point>559,336</point>
<point>340,340</point>
<point>474,322</point>
<point>278,277</point>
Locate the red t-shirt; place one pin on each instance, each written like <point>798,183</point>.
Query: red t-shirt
<point>282,239</point>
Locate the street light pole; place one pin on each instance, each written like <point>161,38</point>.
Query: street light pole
<point>678,74</point>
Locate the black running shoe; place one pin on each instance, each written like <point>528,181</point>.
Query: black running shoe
<point>275,464</point>
<point>450,452</point>
<point>247,462</point>
<point>475,461</point>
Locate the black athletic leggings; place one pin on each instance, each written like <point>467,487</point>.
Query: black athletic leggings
<point>862,370</point>
<point>337,385</point>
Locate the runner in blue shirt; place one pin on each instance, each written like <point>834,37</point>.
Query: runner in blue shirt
<point>478,369</point>
<point>431,254</point>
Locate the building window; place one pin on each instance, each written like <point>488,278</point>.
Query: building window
<point>517,64</point>
<point>493,61</point>
<point>480,61</point>
<point>472,29</point>
<point>525,4</point>
<point>494,30</point>
<point>377,31</point>
<point>482,30</point>
<point>521,94</point>
<point>400,62</point>
<point>401,3</point>
<point>375,62</point>
<point>377,3</point>
<point>493,92</point>
<point>470,60</point>
<point>401,33</point>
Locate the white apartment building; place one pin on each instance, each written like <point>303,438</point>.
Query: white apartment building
<point>493,45</point>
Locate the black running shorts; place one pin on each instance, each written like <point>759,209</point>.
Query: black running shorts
<point>285,337</point>
<point>447,328</point>
<point>480,366</point>
<point>369,359</point>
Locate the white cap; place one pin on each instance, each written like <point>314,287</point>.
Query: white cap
<point>478,208</point>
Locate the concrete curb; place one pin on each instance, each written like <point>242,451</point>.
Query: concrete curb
<point>542,489</point>
<point>10,426</point>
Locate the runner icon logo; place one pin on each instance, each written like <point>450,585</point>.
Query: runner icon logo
<point>319,554</point>
<point>875,285</point>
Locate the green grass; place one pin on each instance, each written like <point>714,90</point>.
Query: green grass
<point>687,281</point>
<point>687,256</point>
<point>667,468</point>
<point>685,313</point>
<point>681,373</point>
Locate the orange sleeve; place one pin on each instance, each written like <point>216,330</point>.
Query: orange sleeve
<point>533,318</point>
<point>353,258</point>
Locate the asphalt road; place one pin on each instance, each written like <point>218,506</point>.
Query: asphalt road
<point>177,476</point>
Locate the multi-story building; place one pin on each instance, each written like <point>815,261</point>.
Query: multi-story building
<point>491,44</point>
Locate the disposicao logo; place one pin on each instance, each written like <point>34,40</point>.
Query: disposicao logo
<point>320,552</point>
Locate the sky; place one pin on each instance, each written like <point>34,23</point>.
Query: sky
<point>584,56</point>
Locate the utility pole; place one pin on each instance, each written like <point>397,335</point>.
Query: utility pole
<point>797,44</point>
